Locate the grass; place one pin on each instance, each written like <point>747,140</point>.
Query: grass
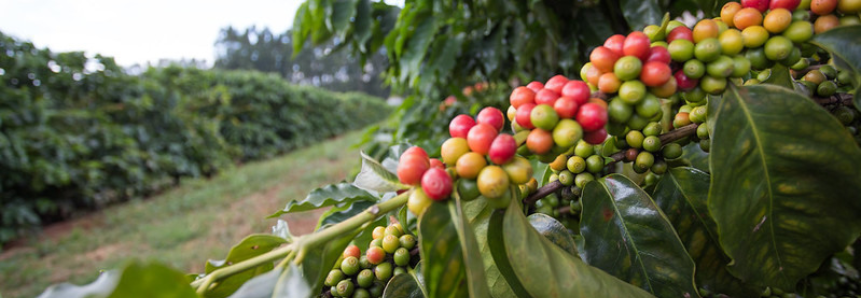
<point>183,227</point>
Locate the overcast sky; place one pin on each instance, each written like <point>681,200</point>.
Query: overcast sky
<point>139,31</point>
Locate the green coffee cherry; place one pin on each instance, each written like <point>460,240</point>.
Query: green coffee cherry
<point>634,139</point>
<point>391,243</point>
<point>350,265</point>
<point>402,257</point>
<point>594,164</point>
<point>361,293</point>
<point>829,71</point>
<point>703,132</point>
<point>826,88</point>
<point>583,149</point>
<point>335,276</point>
<point>346,288</point>
<point>576,164</point>
<point>383,271</point>
<point>705,145</point>
<point>392,230</point>
<point>407,241</point>
<point>659,167</point>
<point>653,129</point>
<point>398,271</point>
<point>581,179</point>
<point>377,289</point>
<point>377,243</point>
<point>652,144</point>
<point>364,263</point>
<point>672,151</point>
<point>566,177</point>
<point>365,278</point>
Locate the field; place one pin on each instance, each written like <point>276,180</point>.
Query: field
<point>183,227</point>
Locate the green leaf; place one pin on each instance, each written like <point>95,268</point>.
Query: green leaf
<point>784,184</point>
<point>641,13</point>
<point>343,212</point>
<point>342,12</point>
<point>444,269</point>
<point>682,194</point>
<point>404,286</point>
<point>319,261</point>
<point>363,27</point>
<point>291,284</point>
<point>475,276</point>
<point>375,177</point>
<point>487,234</point>
<point>545,270</point>
<point>134,280</point>
<point>341,193</point>
<point>418,46</point>
<point>261,286</point>
<point>628,236</point>
<point>554,231</point>
<point>696,156</point>
<point>842,42</point>
<point>249,247</point>
<point>780,77</point>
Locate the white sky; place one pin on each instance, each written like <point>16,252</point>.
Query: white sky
<point>139,31</point>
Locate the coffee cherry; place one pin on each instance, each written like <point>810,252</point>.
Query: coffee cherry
<point>823,7</point>
<point>713,85</point>
<point>740,66</point>
<point>747,17</point>
<point>707,50</point>
<point>376,290</point>
<point>491,116</point>
<point>480,138</point>
<point>581,179</point>
<point>546,96</point>
<point>364,263</point>
<point>703,132</point>
<point>350,265</point>
<point>649,106</point>
<point>619,111</point>
<point>609,83</point>
<point>826,89</point>
<point>615,43</point>
<point>722,67</point>
<point>655,74</point>
<point>684,82</point>
<point>672,151</point>
<point>627,68</point>
<point>777,20</point>
<point>603,59</point>
<point>493,182</point>
<point>374,243</point>
<point>524,114</point>
<point>556,83</point>
<point>637,44</point>
<point>659,54</point>
<point>383,271</point>
<point>418,202</point>
<point>679,33</point>
<point>352,251</point>
<point>543,116</point>
<point>391,243</point>
<point>778,48</point>
<point>705,29</point>
<point>849,7</point>
<point>407,241</point>
<point>452,149</point>
<point>645,160</point>
<point>334,277</point>
<point>595,137</point>
<point>681,50</point>
<point>731,42</point>
<point>345,288</point>
<point>402,257</point>
<point>652,144</point>
<point>519,170</point>
<point>577,90</point>
<point>634,139</point>
<point>460,126</point>
<point>539,141</point>
<point>535,86</point>
<point>631,92</point>
<point>592,74</point>
<point>728,11</point>
<point>815,76</point>
<point>681,119</point>
<point>378,233</point>
<point>566,107</point>
<point>522,95</point>
<point>825,23</point>
<point>467,189</point>
<point>759,5</point>
<point>411,168</point>
<point>594,164</point>
<point>566,178</point>
<point>659,167</point>
<point>576,164</point>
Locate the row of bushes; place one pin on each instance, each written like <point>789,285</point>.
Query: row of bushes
<point>78,133</point>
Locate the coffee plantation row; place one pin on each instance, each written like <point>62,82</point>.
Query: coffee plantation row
<point>712,159</point>
<point>75,138</point>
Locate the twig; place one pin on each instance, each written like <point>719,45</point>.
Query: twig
<point>841,98</point>
<point>542,192</point>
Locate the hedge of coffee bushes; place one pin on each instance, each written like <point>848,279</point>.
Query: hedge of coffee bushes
<point>79,133</point>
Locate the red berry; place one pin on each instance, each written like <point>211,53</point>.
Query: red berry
<point>615,43</point>
<point>411,168</point>
<point>556,83</point>
<point>660,54</point>
<point>502,149</point>
<point>603,59</point>
<point>522,95</point>
<point>460,126</point>
<point>415,150</point>
<point>491,116</point>
<point>523,116</point>
<point>595,137</point>
<point>375,255</point>
<point>655,74</point>
<point>436,164</point>
<point>681,32</point>
<point>535,86</point>
<point>352,251</point>
<point>566,107</point>
<point>685,83</point>
<point>436,183</point>
<point>546,96</point>
<point>480,137</point>
<point>637,44</point>
<point>789,5</point>
<point>577,90</point>
<point>592,116</point>
<point>761,5</point>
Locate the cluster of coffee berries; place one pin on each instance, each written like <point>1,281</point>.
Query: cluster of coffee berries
<point>364,276</point>
<point>429,175</point>
<point>556,116</point>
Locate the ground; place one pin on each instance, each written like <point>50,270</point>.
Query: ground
<point>183,227</point>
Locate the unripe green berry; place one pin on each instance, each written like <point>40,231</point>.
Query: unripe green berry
<point>350,265</point>
<point>383,271</point>
<point>393,230</point>
<point>398,271</point>
<point>402,257</point>
<point>672,151</point>
<point>705,145</point>
<point>377,289</point>
<point>346,288</point>
<point>576,164</point>
<point>365,278</point>
<point>583,149</point>
<point>826,89</point>
<point>644,160</point>
<point>566,178</point>
<point>364,263</point>
<point>581,179</point>
<point>391,243</point>
<point>594,164</point>
<point>653,129</point>
<point>634,139</point>
<point>652,144</point>
<point>703,132</point>
<point>361,293</point>
<point>659,167</point>
<point>407,241</point>
<point>335,276</point>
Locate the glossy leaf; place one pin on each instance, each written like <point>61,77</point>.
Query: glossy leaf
<point>249,247</point>
<point>341,193</point>
<point>641,13</point>
<point>682,193</point>
<point>780,77</point>
<point>319,261</point>
<point>628,236</point>
<point>842,42</point>
<point>261,286</point>
<point>488,236</point>
<point>375,177</point>
<point>554,231</point>
<point>698,158</point>
<point>443,269</point>
<point>784,184</point>
<point>545,270</point>
<point>404,286</point>
<point>363,28</point>
<point>342,12</point>
<point>475,276</point>
<point>282,229</point>
<point>343,212</point>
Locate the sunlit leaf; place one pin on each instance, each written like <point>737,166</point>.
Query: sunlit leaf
<point>375,177</point>
<point>443,269</point>
<point>249,247</point>
<point>341,193</point>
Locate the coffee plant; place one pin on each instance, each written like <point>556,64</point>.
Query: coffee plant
<point>719,159</point>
